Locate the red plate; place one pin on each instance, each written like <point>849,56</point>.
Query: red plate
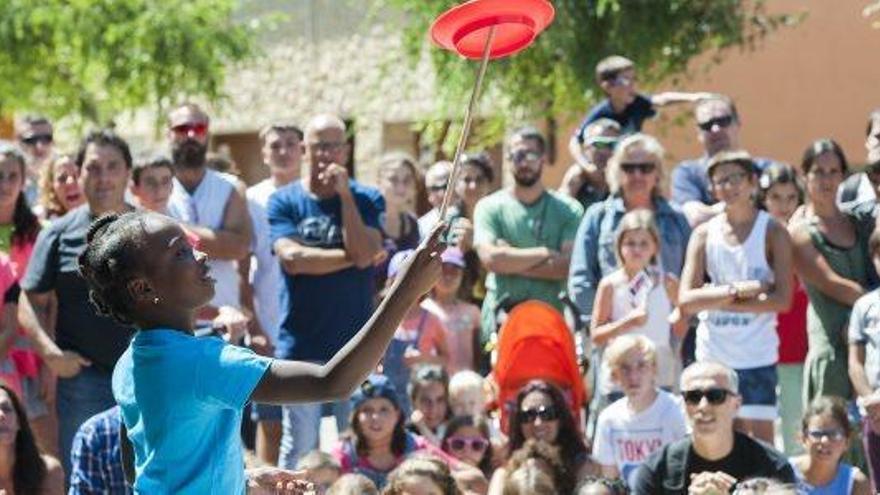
<point>463,29</point>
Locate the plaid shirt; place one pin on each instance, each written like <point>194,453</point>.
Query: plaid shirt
<point>96,460</point>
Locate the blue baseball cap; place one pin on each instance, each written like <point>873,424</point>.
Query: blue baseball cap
<point>375,387</point>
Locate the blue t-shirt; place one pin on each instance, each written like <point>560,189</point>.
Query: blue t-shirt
<point>182,398</point>
<point>690,180</point>
<point>320,313</point>
<point>630,119</point>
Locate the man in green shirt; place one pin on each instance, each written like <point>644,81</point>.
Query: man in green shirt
<point>524,234</point>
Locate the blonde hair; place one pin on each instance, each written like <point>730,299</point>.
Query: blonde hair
<point>317,459</point>
<point>638,219</point>
<point>635,141</point>
<point>624,344</point>
<point>47,198</point>
<point>465,380</point>
<point>529,480</point>
<point>353,484</point>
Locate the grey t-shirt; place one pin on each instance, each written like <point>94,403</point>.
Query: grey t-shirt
<point>864,329</point>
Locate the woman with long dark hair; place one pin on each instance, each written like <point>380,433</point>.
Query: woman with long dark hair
<point>23,470</point>
<point>831,258</point>
<point>19,227</point>
<point>542,413</point>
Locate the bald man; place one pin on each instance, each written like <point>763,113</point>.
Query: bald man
<point>714,458</point>
<point>325,232</point>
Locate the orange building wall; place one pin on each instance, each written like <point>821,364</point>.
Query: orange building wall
<point>818,79</point>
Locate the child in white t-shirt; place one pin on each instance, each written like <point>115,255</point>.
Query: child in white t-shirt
<point>645,419</point>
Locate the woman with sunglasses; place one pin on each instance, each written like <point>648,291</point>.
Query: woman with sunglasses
<point>467,439</point>
<point>542,413</point>
<point>635,180</point>
<point>826,432</point>
<point>831,257</point>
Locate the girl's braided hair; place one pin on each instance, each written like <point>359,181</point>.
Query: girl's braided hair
<point>113,256</point>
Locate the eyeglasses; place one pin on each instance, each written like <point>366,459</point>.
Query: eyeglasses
<point>546,413</point>
<point>621,81</point>
<point>35,139</point>
<point>524,156</point>
<point>436,187</point>
<point>198,129</point>
<point>326,146</point>
<point>833,434</point>
<point>714,396</point>
<point>721,122</point>
<point>459,443</point>
<point>733,179</point>
<point>602,143</point>
<point>644,168</point>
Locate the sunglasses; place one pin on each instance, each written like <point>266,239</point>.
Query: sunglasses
<point>546,413</point>
<point>721,122</point>
<point>476,444</point>
<point>833,434</point>
<point>524,156</point>
<point>714,396</point>
<point>603,144</point>
<point>34,139</point>
<point>199,129</point>
<point>437,188</point>
<point>643,168</point>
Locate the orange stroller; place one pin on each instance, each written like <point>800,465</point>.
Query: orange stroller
<point>535,343</point>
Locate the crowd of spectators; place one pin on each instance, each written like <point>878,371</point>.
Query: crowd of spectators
<point>724,321</point>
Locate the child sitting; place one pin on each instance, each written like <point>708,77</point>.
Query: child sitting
<point>645,419</point>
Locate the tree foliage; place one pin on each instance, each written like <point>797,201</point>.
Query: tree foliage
<point>92,59</point>
<point>554,76</point>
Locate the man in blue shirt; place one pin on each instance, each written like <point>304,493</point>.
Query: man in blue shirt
<point>325,232</point>
<point>718,126</point>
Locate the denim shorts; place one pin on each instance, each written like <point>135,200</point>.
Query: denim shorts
<point>757,387</point>
<point>265,412</point>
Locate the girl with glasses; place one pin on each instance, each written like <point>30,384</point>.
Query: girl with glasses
<point>826,433</point>
<point>467,439</point>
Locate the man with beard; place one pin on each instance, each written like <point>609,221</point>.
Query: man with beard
<point>718,125</point>
<point>211,205</point>
<point>714,458</point>
<point>524,234</point>
<point>585,182</point>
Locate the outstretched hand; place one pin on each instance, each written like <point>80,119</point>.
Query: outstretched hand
<point>270,480</point>
<point>422,270</point>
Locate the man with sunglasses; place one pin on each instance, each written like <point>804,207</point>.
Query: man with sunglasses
<point>714,458</point>
<point>616,77</point>
<point>718,125</point>
<point>211,204</point>
<point>586,183</point>
<point>36,138</point>
<point>524,235</point>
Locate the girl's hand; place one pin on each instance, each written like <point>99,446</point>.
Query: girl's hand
<point>417,418</point>
<point>461,234</point>
<point>421,271</point>
<point>233,321</point>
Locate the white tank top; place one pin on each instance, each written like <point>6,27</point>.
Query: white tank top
<point>657,328</point>
<point>739,340</point>
<point>205,207</point>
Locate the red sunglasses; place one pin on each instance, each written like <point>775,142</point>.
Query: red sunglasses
<point>198,129</point>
